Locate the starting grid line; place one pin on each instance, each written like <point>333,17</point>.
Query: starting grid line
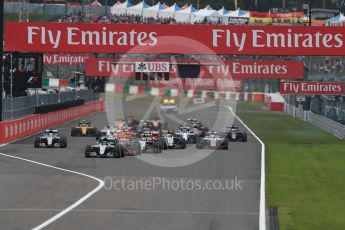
<point>72,208</point>
<point>62,212</point>
<point>138,211</point>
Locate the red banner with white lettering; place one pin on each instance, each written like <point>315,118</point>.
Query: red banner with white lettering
<point>199,84</point>
<point>65,58</point>
<point>255,69</point>
<point>180,39</point>
<point>312,88</point>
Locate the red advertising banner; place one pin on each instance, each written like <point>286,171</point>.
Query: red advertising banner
<point>180,39</point>
<point>256,14</point>
<point>258,69</point>
<point>200,84</point>
<point>286,15</point>
<point>312,88</point>
<point>65,58</point>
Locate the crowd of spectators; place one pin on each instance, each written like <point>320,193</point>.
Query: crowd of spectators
<point>124,18</point>
<point>329,66</point>
<point>339,3</point>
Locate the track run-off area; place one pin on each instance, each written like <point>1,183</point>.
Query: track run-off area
<point>61,189</point>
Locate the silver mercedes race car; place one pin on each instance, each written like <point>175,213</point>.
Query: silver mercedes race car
<point>106,147</point>
<point>50,138</point>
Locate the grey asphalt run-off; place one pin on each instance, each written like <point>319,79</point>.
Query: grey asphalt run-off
<point>30,194</point>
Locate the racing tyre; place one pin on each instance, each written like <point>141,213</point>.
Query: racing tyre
<point>98,135</point>
<point>138,149</point>
<point>165,146</point>
<point>183,145</point>
<point>117,151</point>
<point>160,145</point>
<point>87,151</point>
<point>225,146</point>
<point>74,132</point>
<point>93,132</point>
<point>200,145</point>
<point>244,137</point>
<point>195,139</point>
<point>63,142</point>
<point>37,142</point>
<point>122,151</point>
<point>156,147</point>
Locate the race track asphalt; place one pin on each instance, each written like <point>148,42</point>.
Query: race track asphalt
<point>30,193</point>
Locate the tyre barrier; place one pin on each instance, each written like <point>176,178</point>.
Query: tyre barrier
<point>23,127</point>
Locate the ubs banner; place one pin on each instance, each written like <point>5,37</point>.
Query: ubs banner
<point>230,69</point>
<point>181,39</point>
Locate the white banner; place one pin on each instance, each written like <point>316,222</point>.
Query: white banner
<point>148,67</point>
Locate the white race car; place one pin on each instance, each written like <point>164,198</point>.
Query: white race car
<point>151,143</point>
<point>213,140</point>
<point>172,141</point>
<point>189,135</point>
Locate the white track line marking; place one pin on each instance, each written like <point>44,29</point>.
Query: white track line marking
<point>71,207</point>
<point>262,216</point>
<point>135,211</point>
<point>57,127</point>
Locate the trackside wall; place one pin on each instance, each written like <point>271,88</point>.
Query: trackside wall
<point>19,128</point>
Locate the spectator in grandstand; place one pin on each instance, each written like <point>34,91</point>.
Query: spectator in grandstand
<point>123,18</point>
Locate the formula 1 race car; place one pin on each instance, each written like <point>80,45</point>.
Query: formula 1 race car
<point>213,140</point>
<point>50,138</point>
<point>234,134</point>
<point>132,147</point>
<point>168,105</point>
<point>106,131</point>
<point>153,125</point>
<point>188,135</point>
<point>126,139</point>
<point>107,147</point>
<point>172,141</point>
<point>84,129</point>
<point>151,142</point>
<point>132,122</point>
<point>195,124</point>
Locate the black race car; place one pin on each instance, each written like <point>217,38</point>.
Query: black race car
<point>234,134</point>
<point>50,138</point>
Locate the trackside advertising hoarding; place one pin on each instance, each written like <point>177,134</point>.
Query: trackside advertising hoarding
<point>65,58</point>
<point>182,39</point>
<point>257,69</point>
<point>312,88</point>
<point>200,84</point>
